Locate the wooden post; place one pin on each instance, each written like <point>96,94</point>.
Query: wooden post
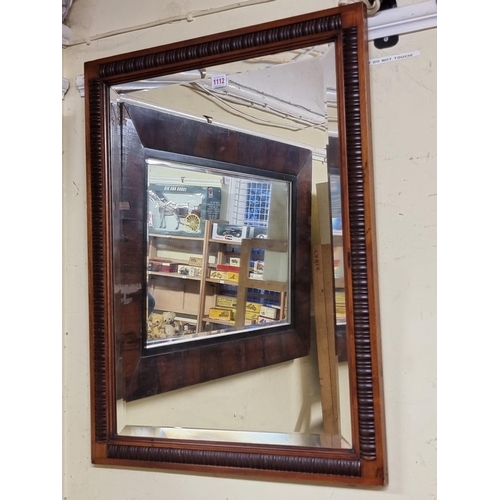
<point>324,300</point>
<point>204,272</point>
<point>325,338</point>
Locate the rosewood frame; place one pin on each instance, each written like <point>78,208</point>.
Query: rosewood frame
<point>365,462</point>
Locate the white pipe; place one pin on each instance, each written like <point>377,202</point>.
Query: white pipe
<point>190,16</point>
<point>162,81</point>
<point>228,99</point>
<point>388,22</point>
<point>266,101</point>
<point>402,20</point>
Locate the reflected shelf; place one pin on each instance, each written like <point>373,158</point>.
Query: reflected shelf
<point>174,275</point>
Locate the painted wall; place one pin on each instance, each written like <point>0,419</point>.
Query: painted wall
<point>404,137</point>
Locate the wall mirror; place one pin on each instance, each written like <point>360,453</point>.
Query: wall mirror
<point>233,309</point>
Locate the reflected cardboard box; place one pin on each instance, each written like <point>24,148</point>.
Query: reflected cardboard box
<point>224,314</point>
<point>251,308</point>
<point>192,271</point>
<point>224,275</point>
<point>162,266</point>
<point>230,314</point>
<point>268,312</point>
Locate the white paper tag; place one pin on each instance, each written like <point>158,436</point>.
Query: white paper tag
<point>399,57</point>
<point>219,81</point>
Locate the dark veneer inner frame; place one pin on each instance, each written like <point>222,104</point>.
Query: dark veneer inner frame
<point>365,463</point>
<point>147,132</point>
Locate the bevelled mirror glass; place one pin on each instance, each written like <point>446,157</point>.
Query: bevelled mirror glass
<point>233,284</point>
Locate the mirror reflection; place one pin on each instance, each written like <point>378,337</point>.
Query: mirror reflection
<point>219,247</point>
<point>210,272</point>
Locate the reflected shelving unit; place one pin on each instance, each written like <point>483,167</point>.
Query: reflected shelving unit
<point>210,284</point>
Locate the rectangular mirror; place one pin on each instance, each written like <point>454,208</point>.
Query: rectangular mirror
<point>233,284</point>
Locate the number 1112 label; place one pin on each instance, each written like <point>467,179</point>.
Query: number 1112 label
<point>219,81</point>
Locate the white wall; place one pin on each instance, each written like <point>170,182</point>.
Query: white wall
<point>404,137</point>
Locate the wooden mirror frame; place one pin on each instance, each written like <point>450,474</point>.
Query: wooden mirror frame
<point>365,462</point>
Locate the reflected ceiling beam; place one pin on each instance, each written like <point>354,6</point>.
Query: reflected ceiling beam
<point>239,94</point>
<point>254,98</point>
